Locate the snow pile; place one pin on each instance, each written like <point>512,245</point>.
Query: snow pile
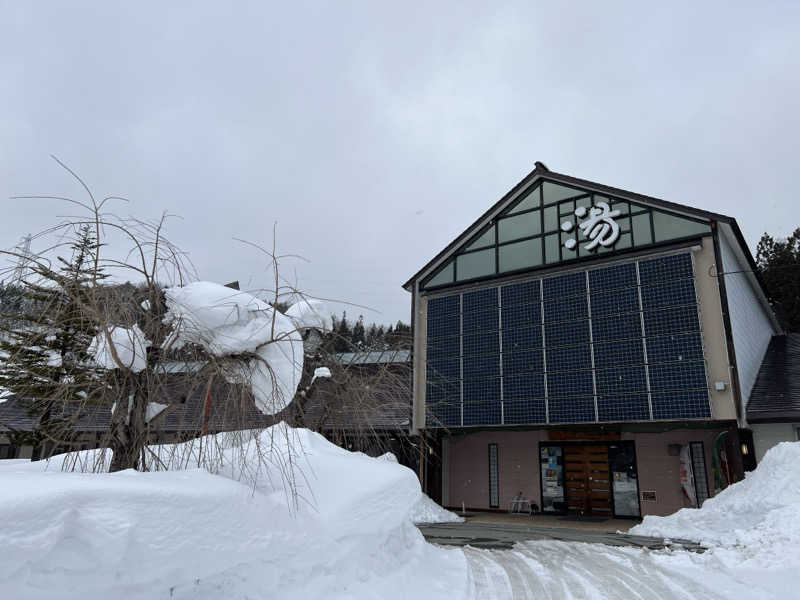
<point>130,345</point>
<point>762,510</point>
<point>191,534</point>
<point>426,510</point>
<point>309,313</point>
<point>227,322</point>
<point>752,527</point>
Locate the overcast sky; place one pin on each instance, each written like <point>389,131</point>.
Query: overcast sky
<point>373,133</point>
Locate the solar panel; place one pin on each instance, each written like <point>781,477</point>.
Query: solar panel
<point>524,412</point>
<point>590,354</point>
<point>565,285</point>
<point>611,278</point>
<point>481,321</point>
<point>664,268</point>
<point>679,319</point>
<point>522,386</point>
<point>565,309</point>
<point>620,380</point>
<point>521,293</point>
<point>444,305</point>
<point>573,383</point>
<point>571,410</point>
<point>523,361</point>
<point>483,365</point>
<point>617,353</point>
<point>515,340</point>
<point>633,407</point>
<point>566,333</point>
<point>680,404</point>
<point>671,293</point>
<point>521,315</point>
<point>624,300</point>
<point>569,358</point>
<point>676,376</point>
<point>675,347</point>
<point>480,300</point>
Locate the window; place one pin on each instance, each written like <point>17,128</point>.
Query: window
<point>551,219</point>
<point>494,482</point>
<point>520,255</point>
<point>520,226</point>
<point>475,264</point>
<point>699,470</point>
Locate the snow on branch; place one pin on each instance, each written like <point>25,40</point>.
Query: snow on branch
<point>129,343</point>
<point>227,322</point>
<point>308,313</point>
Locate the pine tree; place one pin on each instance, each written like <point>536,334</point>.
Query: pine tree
<point>358,337</point>
<point>343,335</point>
<point>46,365</point>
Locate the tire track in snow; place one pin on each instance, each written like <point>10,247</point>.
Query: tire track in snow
<point>563,570</point>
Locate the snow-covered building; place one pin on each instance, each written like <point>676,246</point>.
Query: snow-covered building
<point>589,349</point>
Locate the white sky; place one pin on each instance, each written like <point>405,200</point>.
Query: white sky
<point>373,133</point>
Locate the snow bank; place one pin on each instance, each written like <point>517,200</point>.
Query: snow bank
<point>129,343</point>
<point>192,534</point>
<point>227,322</point>
<point>760,510</point>
<point>426,510</point>
<point>752,527</point>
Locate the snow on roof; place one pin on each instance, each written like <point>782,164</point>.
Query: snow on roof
<point>373,358</point>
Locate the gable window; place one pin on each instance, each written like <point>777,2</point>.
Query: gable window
<point>553,223</point>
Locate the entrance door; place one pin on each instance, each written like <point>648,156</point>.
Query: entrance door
<point>586,480</point>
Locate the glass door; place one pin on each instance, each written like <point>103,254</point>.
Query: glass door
<point>552,473</point>
<point>624,480</point>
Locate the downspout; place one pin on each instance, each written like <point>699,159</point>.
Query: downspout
<point>726,319</point>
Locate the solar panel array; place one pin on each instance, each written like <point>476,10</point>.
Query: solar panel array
<point>617,343</point>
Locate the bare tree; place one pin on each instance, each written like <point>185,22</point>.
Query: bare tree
<point>144,352</point>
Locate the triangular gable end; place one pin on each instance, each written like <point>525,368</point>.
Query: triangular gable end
<point>553,223</point>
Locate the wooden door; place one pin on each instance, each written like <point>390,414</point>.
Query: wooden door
<point>586,479</point>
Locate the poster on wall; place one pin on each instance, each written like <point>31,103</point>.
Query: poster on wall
<point>687,477</point>
<point>719,463</point>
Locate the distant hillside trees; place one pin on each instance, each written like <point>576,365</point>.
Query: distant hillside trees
<point>347,337</point>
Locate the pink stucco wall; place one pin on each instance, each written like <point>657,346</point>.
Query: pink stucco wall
<point>467,468</point>
<point>661,472</point>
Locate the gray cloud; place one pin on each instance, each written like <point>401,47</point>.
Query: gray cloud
<point>373,134</point>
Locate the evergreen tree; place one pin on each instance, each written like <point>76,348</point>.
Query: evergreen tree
<point>342,335</point>
<point>46,365</point>
<point>778,261</point>
<point>358,338</point>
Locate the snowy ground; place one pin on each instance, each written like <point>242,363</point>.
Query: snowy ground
<point>191,534</point>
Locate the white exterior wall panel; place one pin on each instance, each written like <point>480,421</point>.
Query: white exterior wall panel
<point>751,326</point>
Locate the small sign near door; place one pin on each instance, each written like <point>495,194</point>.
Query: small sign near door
<point>648,495</point>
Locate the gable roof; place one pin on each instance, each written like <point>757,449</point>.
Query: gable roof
<point>541,172</point>
<point>776,393</point>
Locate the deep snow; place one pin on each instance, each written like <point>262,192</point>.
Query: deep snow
<point>193,534</point>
